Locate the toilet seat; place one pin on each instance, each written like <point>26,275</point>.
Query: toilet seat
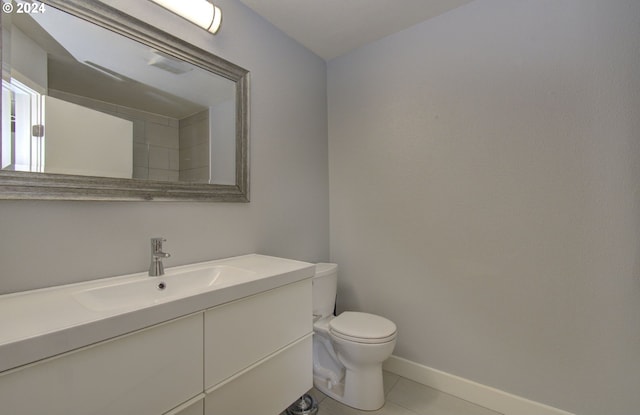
<point>362,328</point>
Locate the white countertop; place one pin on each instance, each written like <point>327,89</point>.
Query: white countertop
<point>42,323</point>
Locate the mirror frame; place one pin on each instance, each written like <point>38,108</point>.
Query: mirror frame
<point>26,185</point>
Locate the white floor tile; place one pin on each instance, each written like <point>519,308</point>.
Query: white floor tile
<point>389,380</point>
<point>317,395</point>
<point>405,397</point>
<point>333,407</point>
<point>424,400</point>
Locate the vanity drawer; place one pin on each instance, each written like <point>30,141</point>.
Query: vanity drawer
<point>147,372</point>
<point>194,406</point>
<point>240,333</point>
<point>266,388</point>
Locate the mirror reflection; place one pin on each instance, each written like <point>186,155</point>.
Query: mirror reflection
<point>79,99</point>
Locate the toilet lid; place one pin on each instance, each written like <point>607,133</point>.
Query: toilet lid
<point>362,327</point>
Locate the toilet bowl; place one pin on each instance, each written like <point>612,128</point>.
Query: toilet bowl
<point>348,350</point>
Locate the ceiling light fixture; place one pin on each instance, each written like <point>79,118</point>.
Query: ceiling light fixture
<point>200,12</point>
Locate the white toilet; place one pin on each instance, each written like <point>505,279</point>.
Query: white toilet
<point>348,350</point>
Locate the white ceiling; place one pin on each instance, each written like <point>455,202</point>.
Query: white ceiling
<point>331,28</point>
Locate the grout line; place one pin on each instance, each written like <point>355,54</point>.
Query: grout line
<point>395,382</point>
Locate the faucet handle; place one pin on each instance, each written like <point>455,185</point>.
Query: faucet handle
<point>156,244</point>
<point>156,268</point>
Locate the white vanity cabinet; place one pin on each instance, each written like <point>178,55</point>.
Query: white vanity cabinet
<point>240,333</point>
<point>266,388</point>
<point>258,352</point>
<point>194,406</point>
<point>147,372</point>
<point>242,348</point>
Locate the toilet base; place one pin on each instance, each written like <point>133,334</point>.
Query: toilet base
<point>363,390</point>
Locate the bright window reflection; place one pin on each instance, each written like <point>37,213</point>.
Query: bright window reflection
<point>24,151</point>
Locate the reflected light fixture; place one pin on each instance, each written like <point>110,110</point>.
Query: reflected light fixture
<point>200,12</point>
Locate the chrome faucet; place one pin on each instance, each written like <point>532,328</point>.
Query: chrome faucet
<point>156,268</point>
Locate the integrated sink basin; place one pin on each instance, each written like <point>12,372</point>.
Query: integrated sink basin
<point>144,291</point>
<point>42,323</point>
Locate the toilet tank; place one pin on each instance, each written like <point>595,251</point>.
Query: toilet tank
<point>325,284</point>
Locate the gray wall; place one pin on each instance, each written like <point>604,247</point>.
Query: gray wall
<point>46,243</point>
<point>485,195</point>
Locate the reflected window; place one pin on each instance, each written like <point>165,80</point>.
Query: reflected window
<point>23,137</point>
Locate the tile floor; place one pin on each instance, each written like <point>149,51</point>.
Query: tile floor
<point>405,397</point>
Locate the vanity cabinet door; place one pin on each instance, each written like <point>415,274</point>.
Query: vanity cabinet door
<point>193,407</point>
<point>241,333</point>
<point>266,388</point>
<point>148,372</point>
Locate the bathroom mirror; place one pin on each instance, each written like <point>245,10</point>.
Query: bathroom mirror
<point>97,105</point>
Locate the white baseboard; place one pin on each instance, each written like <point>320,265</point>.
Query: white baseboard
<point>473,392</point>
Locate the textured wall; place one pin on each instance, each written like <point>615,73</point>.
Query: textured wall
<point>47,243</point>
<point>484,195</point>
